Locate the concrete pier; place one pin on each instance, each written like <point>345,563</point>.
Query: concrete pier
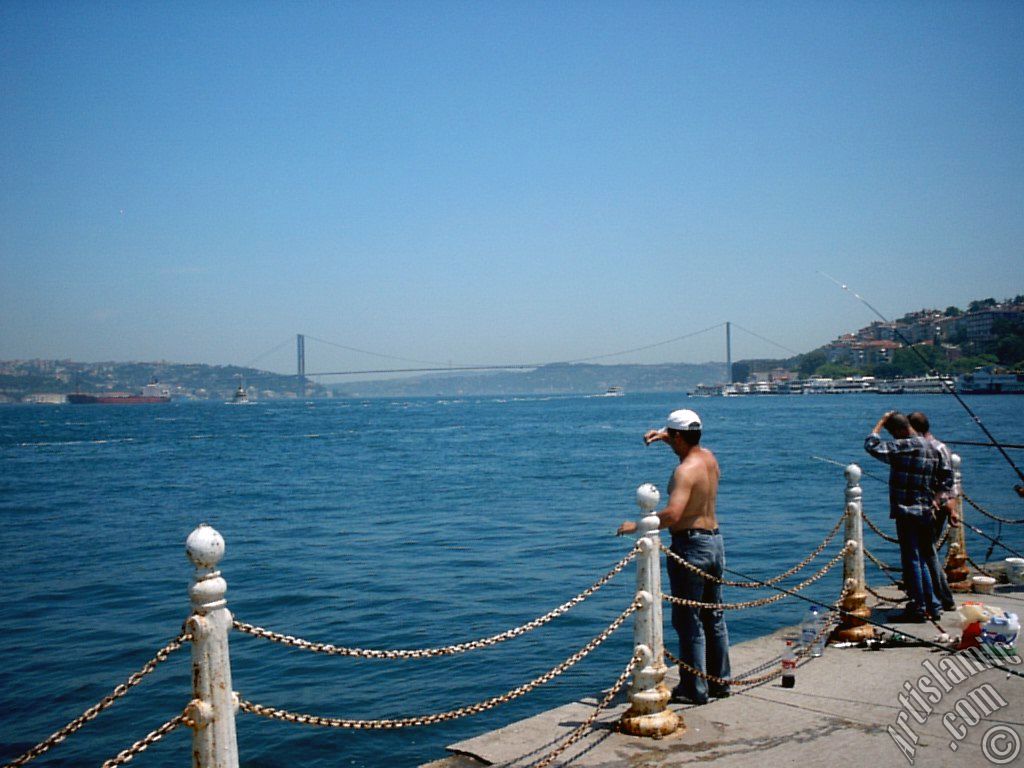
<point>849,707</point>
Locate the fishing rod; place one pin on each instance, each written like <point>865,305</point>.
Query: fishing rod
<point>945,385</point>
<point>866,473</point>
<point>861,619</point>
<point>984,445</point>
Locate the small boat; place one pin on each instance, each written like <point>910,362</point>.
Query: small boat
<point>241,397</point>
<point>613,392</point>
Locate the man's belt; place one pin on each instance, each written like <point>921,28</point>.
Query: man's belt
<point>705,531</point>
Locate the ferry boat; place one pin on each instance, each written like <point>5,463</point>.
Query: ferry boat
<point>706,390</point>
<point>920,385</point>
<point>151,393</point>
<point>991,381</point>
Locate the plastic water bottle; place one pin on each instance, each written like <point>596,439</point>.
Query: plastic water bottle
<point>789,666</point>
<point>812,636</point>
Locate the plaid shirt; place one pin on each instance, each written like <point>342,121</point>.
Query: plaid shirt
<point>949,489</point>
<point>917,473</point>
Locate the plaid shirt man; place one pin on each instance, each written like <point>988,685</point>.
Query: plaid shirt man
<point>917,473</point>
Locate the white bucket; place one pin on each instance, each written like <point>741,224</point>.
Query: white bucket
<point>1015,570</point>
<point>983,584</point>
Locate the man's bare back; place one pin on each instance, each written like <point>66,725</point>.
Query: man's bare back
<point>691,503</point>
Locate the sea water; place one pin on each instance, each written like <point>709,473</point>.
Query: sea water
<point>395,524</point>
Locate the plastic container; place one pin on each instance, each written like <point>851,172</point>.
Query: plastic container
<point>1002,629</point>
<point>812,637</point>
<point>789,666</point>
<point>1015,570</point>
<point>983,584</point>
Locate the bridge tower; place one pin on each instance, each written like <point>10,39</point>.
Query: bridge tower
<point>728,352</point>
<point>300,348</point>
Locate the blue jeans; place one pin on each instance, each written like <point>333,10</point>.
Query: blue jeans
<point>703,637</point>
<point>940,584</point>
<point>917,555</point>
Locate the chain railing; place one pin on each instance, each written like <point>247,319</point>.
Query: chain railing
<point>746,678</point>
<point>767,582</point>
<point>992,515</point>
<point>92,712</point>
<point>439,717</point>
<point>945,537</point>
<point>449,650</point>
<point>126,756</point>
<point>881,565</point>
<point>882,534</point>
<point>583,727</point>
<point>208,627</point>
<point>764,600</point>
<point>883,598</point>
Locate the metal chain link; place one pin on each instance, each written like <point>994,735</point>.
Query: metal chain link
<point>583,727</point>
<point>453,714</point>
<point>124,757</point>
<point>764,600</point>
<point>878,530</point>
<point>882,566</point>
<point>883,598</point>
<point>449,650</point>
<point>985,512</point>
<point>742,679</point>
<point>753,584</point>
<point>91,713</point>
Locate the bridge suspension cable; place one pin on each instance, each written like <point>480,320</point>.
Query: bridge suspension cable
<point>645,347</point>
<point>765,339</point>
<point>374,354</point>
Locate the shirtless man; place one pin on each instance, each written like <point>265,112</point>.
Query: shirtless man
<point>690,517</point>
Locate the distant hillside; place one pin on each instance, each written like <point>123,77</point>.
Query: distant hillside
<point>19,379</point>
<point>558,378</point>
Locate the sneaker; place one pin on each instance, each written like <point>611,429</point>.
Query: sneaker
<point>723,694</point>
<point>949,606</point>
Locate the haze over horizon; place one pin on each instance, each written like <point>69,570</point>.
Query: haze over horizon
<point>488,184</point>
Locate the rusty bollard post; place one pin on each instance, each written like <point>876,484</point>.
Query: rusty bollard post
<point>648,713</point>
<point>852,627</point>
<point>958,573</point>
<point>214,703</point>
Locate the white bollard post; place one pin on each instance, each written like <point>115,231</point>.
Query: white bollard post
<point>648,713</point>
<point>852,627</point>
<point>214,702</point>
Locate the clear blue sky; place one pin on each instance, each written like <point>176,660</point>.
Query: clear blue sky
<point>498,182</point>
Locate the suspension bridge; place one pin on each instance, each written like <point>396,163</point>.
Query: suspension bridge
<point>417,366</point>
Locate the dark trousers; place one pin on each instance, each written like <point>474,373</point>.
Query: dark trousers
<point>917,554</point>
<point>703,636</point>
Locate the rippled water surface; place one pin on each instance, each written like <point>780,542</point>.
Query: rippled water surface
<point>391,523</point>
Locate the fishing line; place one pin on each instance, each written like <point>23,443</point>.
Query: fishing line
<point>946,387</point>
<point>983,445</point>
<point>860,619</point>
<point>994,541</point>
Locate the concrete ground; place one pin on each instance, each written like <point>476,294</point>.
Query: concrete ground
<point>841,709</point>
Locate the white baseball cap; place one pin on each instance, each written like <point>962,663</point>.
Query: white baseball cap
<point>684,420</point>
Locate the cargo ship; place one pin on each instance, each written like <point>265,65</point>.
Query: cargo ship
<point>151,393</point>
